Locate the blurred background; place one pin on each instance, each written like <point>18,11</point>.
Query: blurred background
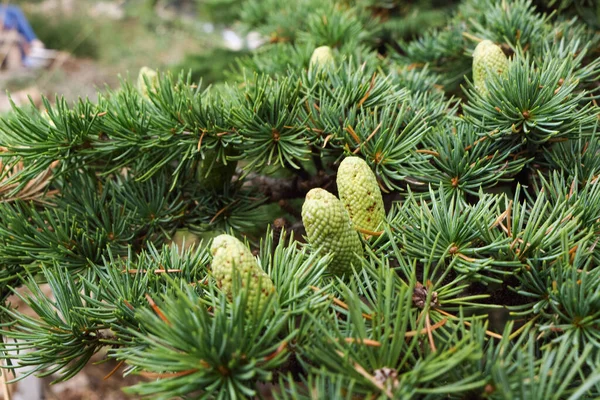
<point>90,44</point>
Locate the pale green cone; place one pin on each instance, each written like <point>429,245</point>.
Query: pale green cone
<point>321,57</point>
<point>488,58</point>
<point>328,228</point>
<point>360,194</point>
<point>229,255</point>
<point>152,77</point>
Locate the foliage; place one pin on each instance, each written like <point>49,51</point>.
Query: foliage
<point>482,282</point>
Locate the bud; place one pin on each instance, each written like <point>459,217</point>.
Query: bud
<point>184,239</point>
<point>488,58</point>
<point>328,228</point>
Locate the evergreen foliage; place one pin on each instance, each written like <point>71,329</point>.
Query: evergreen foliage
<point>482,282</point>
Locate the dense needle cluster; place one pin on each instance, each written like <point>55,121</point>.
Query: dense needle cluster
<point>475,275</point>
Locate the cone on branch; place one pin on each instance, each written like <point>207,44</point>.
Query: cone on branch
<point>478,276</point>
<point>360,194</point>
<point>329,230</point>
<point>322,57</point>
<point>147,81</point>
<point>233,260</point>
<point>488,58</point>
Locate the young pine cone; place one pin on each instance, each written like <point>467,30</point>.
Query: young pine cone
<point>360,194</point>
<point>488,58</point>
<point>322,57</point>
<point>231,255</point>
<point>152,77</point>
<point>329,229</point>
<point>211,173</point>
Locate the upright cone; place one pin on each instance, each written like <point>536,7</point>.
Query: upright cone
<point>152,77</point>
<point>488,58</point>
<point>329,229</point>
<point>211,173</point>
<point>360,194</point>
<point>232,258</point>
<point>322,57</point>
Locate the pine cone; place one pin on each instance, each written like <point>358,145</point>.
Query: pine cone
<point>329,228</point>
<point>152,77</point>
<point>229,255</point>
<point>322,57</point>
<point>360,194</point>
<point>184,239</point>
<point>488,58</point>
<point>211,173</point>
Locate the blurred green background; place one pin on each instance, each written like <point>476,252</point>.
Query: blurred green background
<point>107,40</point>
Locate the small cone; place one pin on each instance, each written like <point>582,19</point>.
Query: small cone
<point>360,194</point>
<point>488,58</point>
<point>322,57</point>
<point>152,77</point>
<point>329,229</point>
<point>229,255</point>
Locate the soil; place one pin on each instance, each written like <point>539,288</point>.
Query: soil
<point>90,384</point>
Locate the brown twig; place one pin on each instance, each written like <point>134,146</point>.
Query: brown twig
<point>429,333</point>
<point>339,302</point>
<point>5,378</point>
<point>370,377</point>
<point>222,210</point>
<point>156,271</point>
<point>469,147</point>
<point>158,375</point>
<point>366,342</point>
<point>366,96</point>
<point>35,189</point>
<point>367,139</point>
<point>200,140</point>
<point>430,152</point>
<point>425,330</point>
<point>281,347</point>
<point>115,369</point>
<point>157,310</point>
<point>375,343</point>
<point>352,133</point>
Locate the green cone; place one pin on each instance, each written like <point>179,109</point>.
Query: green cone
<point>152,77</point>
<point>212,178</point>
<point>329,228</point>
<point>229,255</point>
<point>360,194</point>
<point>488,58</point>
<point>321,57</point>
